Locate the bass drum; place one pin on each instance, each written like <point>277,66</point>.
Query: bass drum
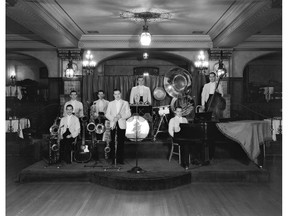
<point>137,128</point>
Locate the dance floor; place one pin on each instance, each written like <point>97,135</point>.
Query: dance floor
<point>158,173</point>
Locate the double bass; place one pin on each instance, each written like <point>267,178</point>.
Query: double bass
<point>216,103</point>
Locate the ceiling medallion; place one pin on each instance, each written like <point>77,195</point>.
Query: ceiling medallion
<point>155,15</point>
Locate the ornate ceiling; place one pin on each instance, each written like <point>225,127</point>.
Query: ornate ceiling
<point>99,24</point>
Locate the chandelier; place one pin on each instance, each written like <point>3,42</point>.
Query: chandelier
<point>201,63</point>
<point>89,64</point>
<point>153,15</point>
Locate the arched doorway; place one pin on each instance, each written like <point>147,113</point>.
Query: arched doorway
<point>262,85</point>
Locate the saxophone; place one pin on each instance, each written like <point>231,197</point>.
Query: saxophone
<point>106,137</point>
<point>54,142</point>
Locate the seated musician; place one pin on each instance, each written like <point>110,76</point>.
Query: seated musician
<point>140,94</point>
<point>69,130</point>
<point>174,127</point>
<point>209,89</point>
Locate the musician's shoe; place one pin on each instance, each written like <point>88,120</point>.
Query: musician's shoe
<point>185,166</point>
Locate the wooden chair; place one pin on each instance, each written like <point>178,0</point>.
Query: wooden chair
<point>175,150</point>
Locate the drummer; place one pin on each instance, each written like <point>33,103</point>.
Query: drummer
<point>140,94</point>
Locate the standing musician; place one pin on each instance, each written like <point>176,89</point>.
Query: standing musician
<point>99,106</point>
<point>117,112</point>
<point>69,130</point>
<point>140,93</point>
<point>77,105</point>
<point>97,116</point>
<point>174,127</point>
<point>209,89</point>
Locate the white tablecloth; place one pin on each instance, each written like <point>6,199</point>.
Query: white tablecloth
<point>276,126</point>
<point>17,125</point>
<point>249,134</point>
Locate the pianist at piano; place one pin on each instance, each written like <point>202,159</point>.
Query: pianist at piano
<point>186,149</point>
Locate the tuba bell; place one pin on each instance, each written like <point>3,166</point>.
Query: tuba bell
<point>177,83</point>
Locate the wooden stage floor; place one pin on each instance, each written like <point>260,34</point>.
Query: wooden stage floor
<point>159,173</point>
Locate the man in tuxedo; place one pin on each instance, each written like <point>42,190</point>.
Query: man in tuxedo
<point>69,130</point>
<point>97,116</point>
<point>186,148</point>
<point>140,93</point>
<point>99,106</point>
<point>117,112</point>
<point>77,105</point>
<point>209,89</point>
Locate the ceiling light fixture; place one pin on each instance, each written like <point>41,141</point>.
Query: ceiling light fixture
<point>145,38</point>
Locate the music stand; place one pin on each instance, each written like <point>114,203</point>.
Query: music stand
<point>136,169</point>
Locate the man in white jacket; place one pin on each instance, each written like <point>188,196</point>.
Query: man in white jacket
<point>117,112</point>
<point>209,89</point>
<point>99,106</point>
<point>69,130</point>
<point>77,105</point>
<point>140,93</point>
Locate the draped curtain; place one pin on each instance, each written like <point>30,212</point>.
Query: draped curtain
<point>93,83</point>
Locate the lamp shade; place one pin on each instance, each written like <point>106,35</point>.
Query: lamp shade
<point>145,39</point>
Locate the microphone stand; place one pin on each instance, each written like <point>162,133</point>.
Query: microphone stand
<point>136,169</point>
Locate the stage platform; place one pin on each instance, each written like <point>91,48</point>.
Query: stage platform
<point>159,173</point>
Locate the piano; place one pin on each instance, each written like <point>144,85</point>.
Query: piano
<point>245,142</point>
<point>193,133</point>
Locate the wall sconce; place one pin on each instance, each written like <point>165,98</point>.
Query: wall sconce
<point>89,64</point>
<point>69,72</point>
<point>13,76</point>
<point>201,63</point>
<point>145,55</point>
<point>220,69</point>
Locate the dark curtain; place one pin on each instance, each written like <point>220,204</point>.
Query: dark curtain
<point>92,84</point>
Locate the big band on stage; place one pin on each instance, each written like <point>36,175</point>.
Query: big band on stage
<point>95,135</point>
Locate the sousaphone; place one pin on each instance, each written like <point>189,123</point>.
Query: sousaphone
<point>177,83</point>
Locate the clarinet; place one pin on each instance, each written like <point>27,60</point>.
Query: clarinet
<point>116,144</point>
